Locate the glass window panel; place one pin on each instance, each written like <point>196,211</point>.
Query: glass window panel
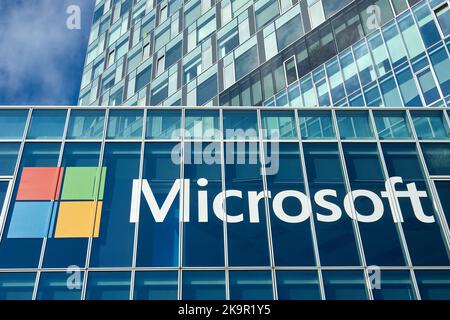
<point>158,243</point>
<point>265,12</point>
<point>12,123</point>
<point>143,78</point>
<point>47,124</point>
<point>316,125</point>
<point>240,125</point>
<point>207,90</point>
<point>344,285</point>
<point>395,285</point>
<point>394,44</point>
<point>247,241</point>
<point>202,124</point>
<point>108,286</point>
<point>203,285</point>
<point>251,285</point>
<point>321,45</point>
<point>163,124</point>
<point>125,124</point>
<point>17,286</point>
<point>86,124</point>
<point>60,286</point>
<point>113,248</point>
<point>390,92</point>
<point>336,241</point>
<point>349,71</point>
<point>428,86</point>
<point>156,285</point>
<point>443,190</point>
<point>430,125</point>
<point>380,238</point>
<point>408,87</point>
<point>364,62</point>
<point>298,285</point>
<point>379,54</point>
<point>278,125</point>
<point>246,62</point>
<point>347,28</point>
<point>336,81</point>
<point>441,64</point>
<point>436,157</point>
<point>354,125</point>
<point>433,284</point>
<point>427,27</point>
<point>392,125</point>
<point>443,16</point>
<point>425,240</point>
<point>203,242</point>
<point>411,35</point>
<point>331,6</point>
<point>289,32</point>
<point>287,171</point>
<point>8,158</point>
<point>366,14</point>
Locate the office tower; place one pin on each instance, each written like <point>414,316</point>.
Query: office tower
<point>238,150</point>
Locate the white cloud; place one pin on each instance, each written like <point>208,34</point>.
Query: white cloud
<point>34,46</point>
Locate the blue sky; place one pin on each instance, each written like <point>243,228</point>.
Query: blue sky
<point>41,60</point>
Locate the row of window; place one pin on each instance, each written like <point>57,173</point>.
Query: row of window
<point>211,285</point>
<point>237,124</point>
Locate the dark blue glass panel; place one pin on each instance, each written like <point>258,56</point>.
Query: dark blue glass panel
<point>395,285</point>
<point>247,241</point>
<point>86,124</point>
<point>336,240</point>
<point>203,241</point>
<point>441,63</point>
<point>344,285</point>
<point>427,27</point>
<point>285,173</point>
<point>430,125</point>
<point>25,253</point>
<point>380,239</point>
<point>61,253</point>
<point>17,286</point>
<point>433,284</point>
<point>298,285</point>
<point>60,286</point>
<point>443,189</point>
<point>425,241</point>
<point>114,246</point>
<point>240,121</point>
<point>108,286</point>
<point>251,285</point>
<point>8,158</point>
<point>204,285</point>
<point>436,157</point>
<point>158,242</point>
<point>156,285</point>
<point>207,90</point>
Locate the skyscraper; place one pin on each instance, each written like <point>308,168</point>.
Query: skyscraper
<point>238,150</point>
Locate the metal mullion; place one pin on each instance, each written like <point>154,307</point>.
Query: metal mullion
<point>89,247</point>
<point>136,227</point>
<point>308,194</point>
<point>266,202</point>
<point>44,241</point>
<point>181,211</point>
<point>225,225</point>
<point>395,210</point>
<point>355,225</point>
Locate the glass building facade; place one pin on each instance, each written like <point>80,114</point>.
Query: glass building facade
<point>238,149</point>
<point>318,226</point>
<point>268,52</point>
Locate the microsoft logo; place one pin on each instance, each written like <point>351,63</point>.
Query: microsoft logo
<point>58,202</point>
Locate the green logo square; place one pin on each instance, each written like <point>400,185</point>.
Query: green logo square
<point>83,183</point>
